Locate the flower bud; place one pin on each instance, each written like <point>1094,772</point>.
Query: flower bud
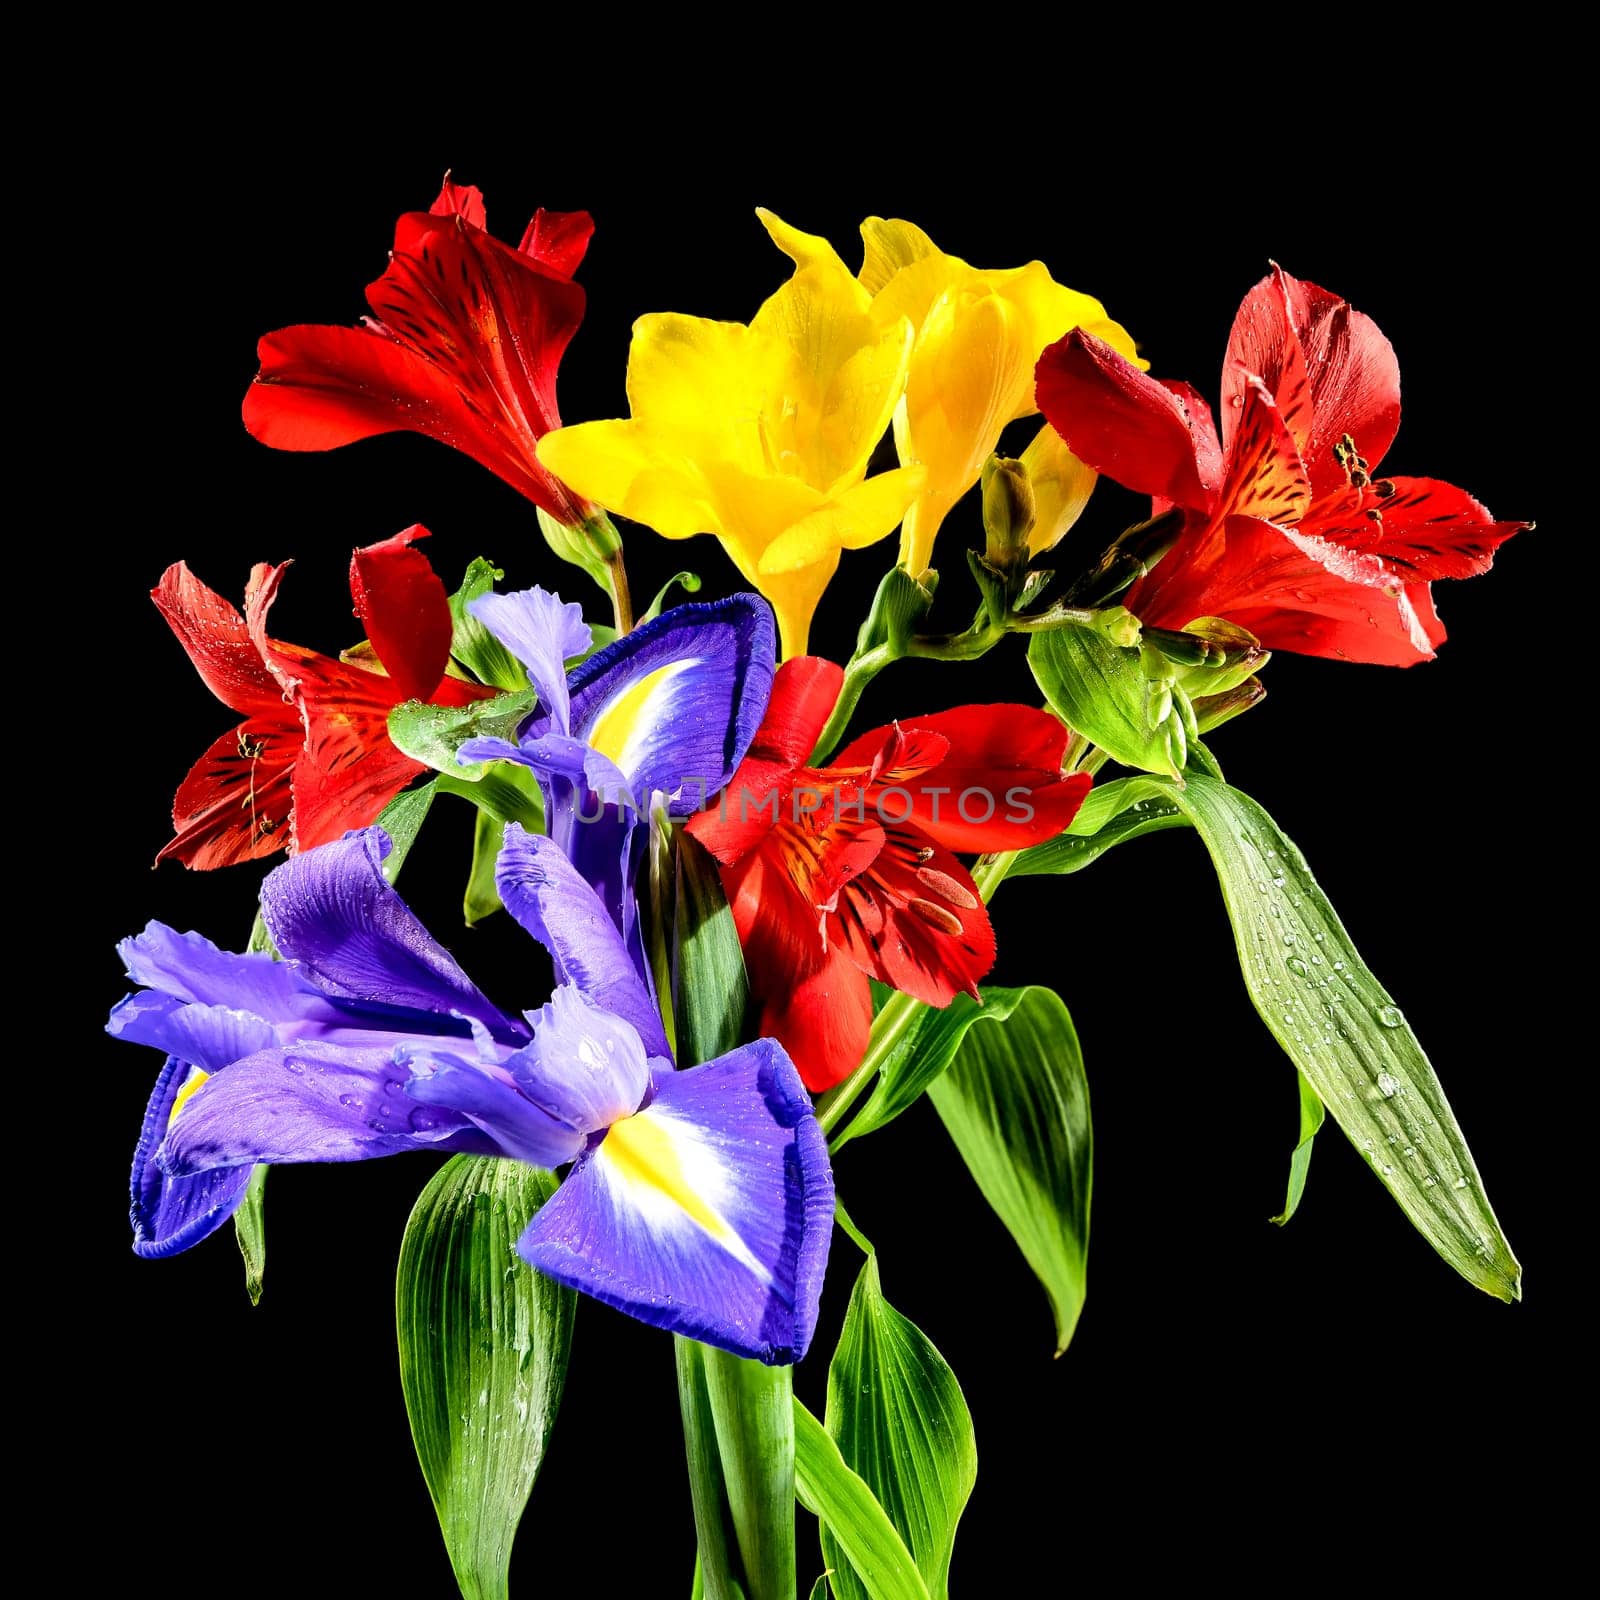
<point>1007,513</point>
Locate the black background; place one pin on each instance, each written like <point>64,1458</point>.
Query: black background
<point>1239,1399</point>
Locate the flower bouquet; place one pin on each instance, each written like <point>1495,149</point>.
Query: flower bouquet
<point>769,918</point>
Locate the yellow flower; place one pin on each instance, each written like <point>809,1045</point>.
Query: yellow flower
<point>1061,485</point>
<point>979,335</point>
<point>759,434</point>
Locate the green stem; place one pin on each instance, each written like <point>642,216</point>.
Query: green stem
<point>858,1238</point>
<point>621,598</point>
<point>990,871</point>
<point>899,1013</point>
<point>859,671</point>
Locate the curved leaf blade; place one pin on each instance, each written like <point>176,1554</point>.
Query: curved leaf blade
<point>1016,1102</point>
<point>471,643</point>
<point>1124,700</point>
<point>1342,1029</point>
<point>901,1423</point>
<point>828,1489</point>
<point>1312,1111</point>
<point>484,1342</point>
<point>1113,813</point>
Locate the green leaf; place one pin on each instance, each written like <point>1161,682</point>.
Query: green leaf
<point>828,1489</point>
<point>1016,1102</point>
<point>484,1342</point>
<point>1342,1029</point>
<point>1312,1111</point>
<point>1121,699</point>
<point>433,734</point>
<point>752,1411</point>
<point>917,1043</point>
<point>689,582</point>
<point>716,1561</point>
<point>402,820</point>
<point>819,1590</point>
<point>1124,809</point>
<point>709,988</point>
<point>482,899</point>
<point>472,644</point>
<point>250,1229</point>
<point>898,1416</point>
<point>505,791</point>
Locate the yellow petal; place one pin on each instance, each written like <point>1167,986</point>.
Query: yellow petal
<point>888,244</point>
<point>1051,310</point>
<point>1061,485</point>
<point>794,597</point>
<point>753,510</point>
<point>804,249</point>
<point>969,374</point>
<point>627,468</point>
<point>704,385</point>
<point>858,517</point>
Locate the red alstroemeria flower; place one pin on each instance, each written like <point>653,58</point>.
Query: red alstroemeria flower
<point>313,756</point>
<point>846,872</point>
<point>1289,532</point>
<point>463,345</point>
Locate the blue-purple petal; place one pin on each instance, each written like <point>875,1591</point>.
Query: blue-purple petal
<point>585,1066</point>
<point>305,1102</point>
<point>715,664</point>
<point>487,1097</point>
<point>193,969</point>
<point>545,892</point>
<point>334,912</point>
<point>741,1265</point>
<point>543,632</point>
<point>208,1036</point>
<point>170,1214</point>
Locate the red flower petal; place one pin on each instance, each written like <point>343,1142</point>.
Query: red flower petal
<point>1424,529</point>
<point>558,239</point>
<point>1355,380</point>
<point>1000,787</point>
<point>811,999</point>
<point>234,805</point>
<point>1265,477</point>
<point>1152,437</point>
<point>1296,592</point>
<point>804,692</point>
<point>405,611</point>
<point>217,641</point>
<point>469,336</point>
<point>348,771</point>
<point>914,920</point>
<point>464,200</point>
<point>892,755</point>
<point>1264,345</point>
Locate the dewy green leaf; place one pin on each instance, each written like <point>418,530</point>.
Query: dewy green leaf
<point>433,734</point>
<point>505,792</point>
<point>716,1560</point>
<point>471,643</point>
<point>250,1229</point>
<point>828,1489</point>
<point>1120,699</point>
<point>1016,1102</point>
<point>752,1411</point>
<point>1342,1029</point>
<point>709,987</point>
<point>898,1416</point>
<point>484,1341</point>
<point>482,899</point>
<point>1312,1111</point>
<point>1126,808</point>
<point>402,820</point>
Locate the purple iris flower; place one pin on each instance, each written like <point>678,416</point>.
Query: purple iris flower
<point>664,715</point>
<point>700,1201</point>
